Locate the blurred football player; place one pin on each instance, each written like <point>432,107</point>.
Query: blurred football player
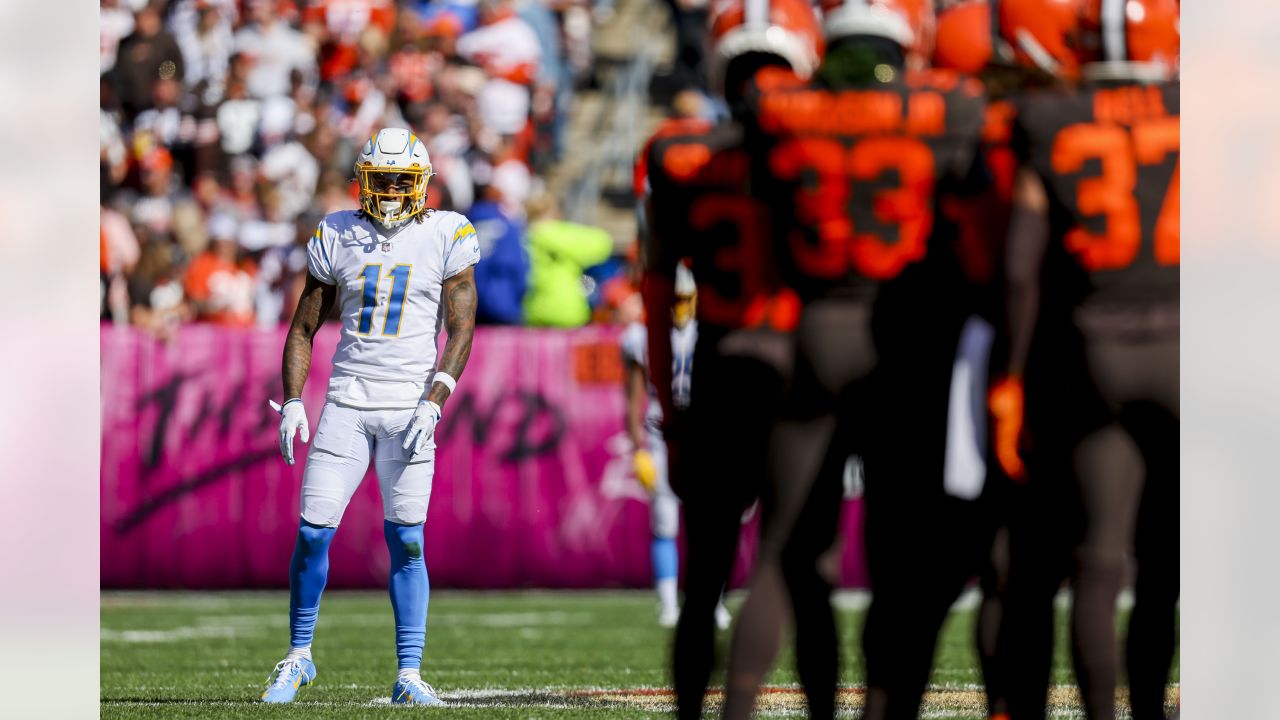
<point>644,426</point>
<point>862,158</point>
<point>396,268</point>
<point>701,210</point>
<point>968,41</point>
<point>1093,286</point>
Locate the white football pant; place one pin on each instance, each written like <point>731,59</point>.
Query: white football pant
<point>965,469</point>
<point>339,456</point>
<point>664,509</point>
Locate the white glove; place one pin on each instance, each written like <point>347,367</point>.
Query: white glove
<point>293,419</point>
<point>422,427</point>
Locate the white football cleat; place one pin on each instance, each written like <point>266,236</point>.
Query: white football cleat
<point>668,616</point>
<point>411,690</point>
<point>723,618</point>
<point>289,675</point>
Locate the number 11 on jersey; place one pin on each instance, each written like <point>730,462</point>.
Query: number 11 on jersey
<point>371,276</point>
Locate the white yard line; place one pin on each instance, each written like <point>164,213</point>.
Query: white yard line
<point>512,619</point>
<point>227,626</point>
<point>969,599</point>
<point>179,634</point>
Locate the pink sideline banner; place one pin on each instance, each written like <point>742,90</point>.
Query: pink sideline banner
<point>533,484</point>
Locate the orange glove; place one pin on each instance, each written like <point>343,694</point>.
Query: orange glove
<point>1006,403</point>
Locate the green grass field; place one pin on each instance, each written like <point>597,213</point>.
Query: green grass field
<point>490,655</point>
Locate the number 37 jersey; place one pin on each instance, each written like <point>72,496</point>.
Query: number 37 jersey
<point>1108,156</point>
<point>389,296</point>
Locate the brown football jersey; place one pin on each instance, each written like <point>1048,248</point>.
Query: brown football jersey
<point>981,213</point>
<point>701,208</point>
<point>857,173</point>
<point>1108,156</point>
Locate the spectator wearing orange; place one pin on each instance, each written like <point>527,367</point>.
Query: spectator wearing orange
<point>508,50</point>
<point>414,63</point>
<point>220,285</point>
<point>338,24</point>
<point>162,197</point>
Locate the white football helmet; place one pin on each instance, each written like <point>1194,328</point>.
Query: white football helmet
<point>686,297</point>
<point>393,169</point>
<point>909,23</point>
<point>685,285</point>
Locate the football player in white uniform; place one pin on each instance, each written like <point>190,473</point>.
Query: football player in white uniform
<point>397,269</point>
<point>644,426</point>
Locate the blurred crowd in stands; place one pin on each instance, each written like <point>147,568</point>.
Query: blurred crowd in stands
<point>229,128</point>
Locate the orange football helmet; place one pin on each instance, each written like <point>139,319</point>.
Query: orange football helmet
<point>1131,39</point>
<point>786,28</point>
<point>965,35</point>
<point>1115,38</point>
<point>910,23</point>
<point>1044,34</point>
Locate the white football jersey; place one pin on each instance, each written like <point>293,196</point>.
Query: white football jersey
<point>635,348</point>
<point>389,287</point>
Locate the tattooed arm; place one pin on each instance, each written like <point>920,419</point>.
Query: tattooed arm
<point>313,307</point>
<point>460,320</point>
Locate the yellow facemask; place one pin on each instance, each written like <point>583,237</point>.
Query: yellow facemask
<point>393,194</point>
<point>682,311</point>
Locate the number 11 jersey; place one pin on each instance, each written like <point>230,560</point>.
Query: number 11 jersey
<point>389,298</point>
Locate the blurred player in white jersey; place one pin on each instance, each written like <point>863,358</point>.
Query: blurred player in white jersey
<point>644,425</point>
<point>397,269</point>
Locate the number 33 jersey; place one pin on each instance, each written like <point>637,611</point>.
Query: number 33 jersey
<point>1108,156</point>
<point>389,295</point>
<point>856,172</point>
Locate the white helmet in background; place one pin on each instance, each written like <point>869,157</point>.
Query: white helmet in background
<point>909,23</point>
<point>393,169</point>
<point>787,29</point>
<point>686,297</point>
<point>685,285</point>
